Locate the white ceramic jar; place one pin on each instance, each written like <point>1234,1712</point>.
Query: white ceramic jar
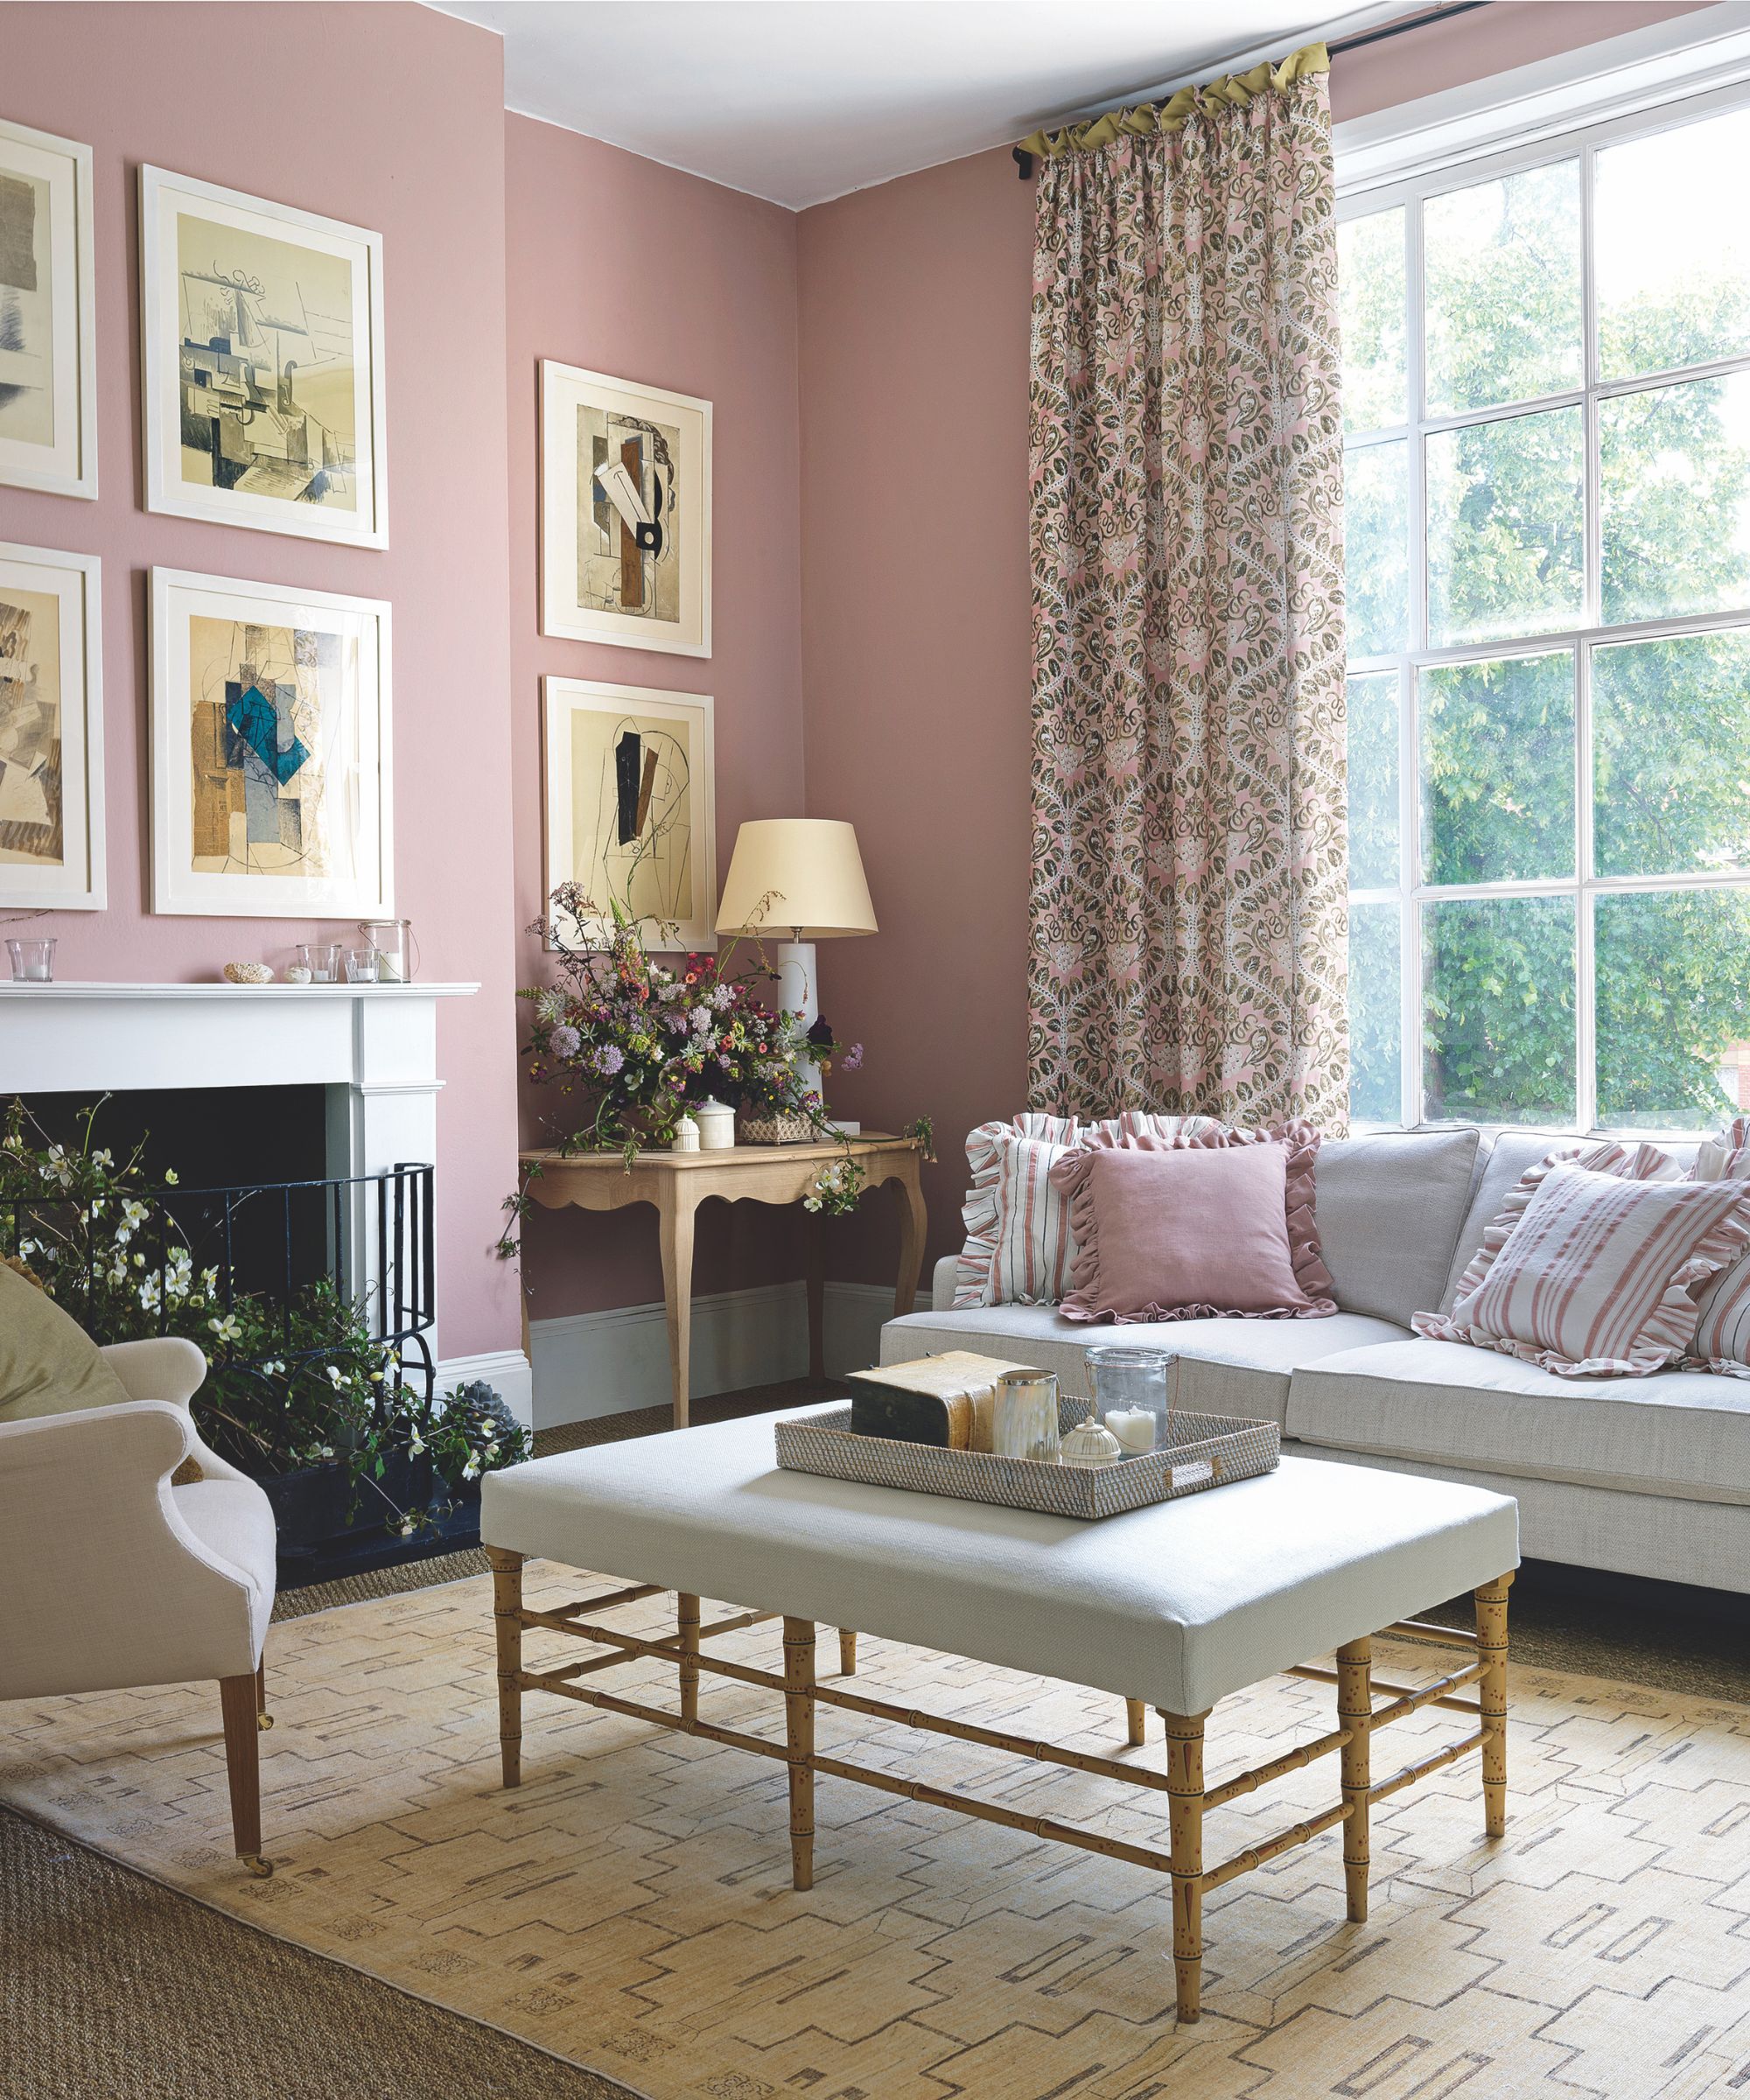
<point>686,1136</point>
<point>715,1120</point>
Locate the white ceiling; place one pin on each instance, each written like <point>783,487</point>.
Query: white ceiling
<point>799,101</point>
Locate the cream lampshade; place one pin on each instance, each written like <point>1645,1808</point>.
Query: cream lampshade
<point>803,876</point>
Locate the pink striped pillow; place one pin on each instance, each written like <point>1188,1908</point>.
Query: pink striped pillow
<point>1722,1336</point>
<point>1018,1247</point>
<point>1594,1265</point>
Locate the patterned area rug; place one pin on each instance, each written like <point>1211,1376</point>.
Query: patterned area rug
<point>629,1907</point>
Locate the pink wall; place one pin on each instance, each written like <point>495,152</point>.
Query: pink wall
<point>622,266</point>
<point>392,120</point>
<point>915,611</point>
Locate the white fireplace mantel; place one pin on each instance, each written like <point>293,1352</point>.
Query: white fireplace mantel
<point>373,1047</point>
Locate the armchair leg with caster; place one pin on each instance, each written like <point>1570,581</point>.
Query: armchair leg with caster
<point>238,1700</point>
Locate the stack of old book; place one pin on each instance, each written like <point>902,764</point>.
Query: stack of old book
<point>948,1401</point>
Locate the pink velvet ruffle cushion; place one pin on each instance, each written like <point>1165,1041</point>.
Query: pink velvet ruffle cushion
<point>1216,1225</point>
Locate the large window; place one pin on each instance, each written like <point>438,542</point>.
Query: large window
<point>1547,372</point>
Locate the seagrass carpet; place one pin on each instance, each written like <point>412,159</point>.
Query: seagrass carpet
<point>629,1907</point>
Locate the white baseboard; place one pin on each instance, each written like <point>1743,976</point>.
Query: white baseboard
<point>587,1364</point>
<point>505,1370</point>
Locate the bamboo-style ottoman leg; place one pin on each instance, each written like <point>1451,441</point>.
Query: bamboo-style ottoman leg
<point>847,1653</point>
<point>507,1621</point>
<point>687,1616</point>
<point>242,1769</point>
<point>1491,1611</point>
<point>1354,1712</point>
<point>799,1730</point>
<point>1136,1716</point>
<point>1184,1796</point>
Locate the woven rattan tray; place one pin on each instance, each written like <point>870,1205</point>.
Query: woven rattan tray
<point>1207,1451</point>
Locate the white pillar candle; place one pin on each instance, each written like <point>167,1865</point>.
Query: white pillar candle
<point>1133,1427</point>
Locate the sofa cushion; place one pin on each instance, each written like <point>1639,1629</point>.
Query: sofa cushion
<point>1682,1433</point>
<point>1226,1367</point>
<point>1390,1206</point>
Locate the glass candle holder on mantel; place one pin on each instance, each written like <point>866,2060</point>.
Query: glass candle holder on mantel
<point>393,941</point>
<point>33,960</point>
<point>321,959</point>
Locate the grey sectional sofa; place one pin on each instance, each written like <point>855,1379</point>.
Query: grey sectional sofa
<point>1644,1476</point>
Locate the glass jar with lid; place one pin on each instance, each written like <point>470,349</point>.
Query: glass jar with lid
<point>1132,1394</point>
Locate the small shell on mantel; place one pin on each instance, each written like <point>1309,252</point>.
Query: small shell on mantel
<point>297,973</point>
<point>249,973</point>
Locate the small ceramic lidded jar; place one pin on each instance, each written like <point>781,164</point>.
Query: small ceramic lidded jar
<point>1088,1444</point>
<point>1130,1395</point>
<point>1024,1420</point>
<point>686,1136</point>
<point>715,1120</point>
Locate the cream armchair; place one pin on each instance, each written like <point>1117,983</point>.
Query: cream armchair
<point>110,1576</point>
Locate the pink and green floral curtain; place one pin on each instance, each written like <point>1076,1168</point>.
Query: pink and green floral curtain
<point>1188,928</point>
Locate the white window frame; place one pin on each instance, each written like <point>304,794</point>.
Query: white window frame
<point>1364,189</point>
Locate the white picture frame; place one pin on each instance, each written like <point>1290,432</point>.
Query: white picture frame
<point>588,555</point>
<point>337,716</point>
<point>51,768</point>
<point>48,429</point>
<point>584,723</point>
<point>287,308</point>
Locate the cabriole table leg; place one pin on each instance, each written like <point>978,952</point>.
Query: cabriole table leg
<point>798,1729</point>
<point>1185,1796</point>
<point>1491,1611</point>
<point>1354,1712</point>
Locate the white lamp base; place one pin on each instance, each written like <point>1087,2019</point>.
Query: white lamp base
<point>797,994</point>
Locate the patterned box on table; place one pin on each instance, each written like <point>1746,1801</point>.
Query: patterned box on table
<point>1206,1451</point>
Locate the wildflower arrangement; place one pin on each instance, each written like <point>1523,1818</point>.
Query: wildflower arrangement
<point>633,1041</point>
<point>287,1385</point>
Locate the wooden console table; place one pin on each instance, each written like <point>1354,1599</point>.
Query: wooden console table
<point>676,1183</point>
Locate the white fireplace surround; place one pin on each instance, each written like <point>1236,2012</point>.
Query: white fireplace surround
<point>373,1047</point>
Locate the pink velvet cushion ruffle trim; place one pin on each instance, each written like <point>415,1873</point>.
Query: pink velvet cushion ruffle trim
<point>1093,1298</point>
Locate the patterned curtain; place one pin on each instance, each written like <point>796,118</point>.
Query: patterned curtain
<point>1188,923</point>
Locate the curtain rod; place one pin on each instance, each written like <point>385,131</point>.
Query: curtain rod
<point>1023,160</point>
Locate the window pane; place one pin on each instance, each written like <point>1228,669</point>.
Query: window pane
<point>1373,781</point>
<point>1673,1007</point>
<point>1376,1015</point>
<point>1503,289</point>
<point>1498,1011</point>
<point>1370,286</point>
<point>1671,756</point>
<point>1672,248</point>
<point>1505,517</point>
<point>1375,507</point>
<point>1674,494</point>
<point>1498,769</point>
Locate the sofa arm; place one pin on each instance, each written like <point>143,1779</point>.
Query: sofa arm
<point>167,1368</point>
<point>105,1584</point>
<point>943,1282</point>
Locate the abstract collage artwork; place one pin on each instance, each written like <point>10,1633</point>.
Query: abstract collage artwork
<point>625,512</point>
<point>47,424</point>
<point>279,805</point>
<point>51,812</point>
<point>629,801</point>
<point>263,367</point>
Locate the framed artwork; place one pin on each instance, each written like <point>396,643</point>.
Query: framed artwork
<point>270,750</point>
<point>50,730</point>
<point>625,513</point>
<point>631,797</point>
<point>48,358</point>
<point>262,362</point>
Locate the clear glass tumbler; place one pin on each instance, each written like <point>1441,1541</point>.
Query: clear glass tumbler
<point>33,960</point>
<point>361,965</point>
<point>1132,1394</point>
<point>322,960</point>
<point>1024,1417</point>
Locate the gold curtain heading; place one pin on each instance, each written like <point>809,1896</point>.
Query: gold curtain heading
<point>1232,91</point>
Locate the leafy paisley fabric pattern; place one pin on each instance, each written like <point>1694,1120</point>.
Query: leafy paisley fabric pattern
<point>1188,949</point>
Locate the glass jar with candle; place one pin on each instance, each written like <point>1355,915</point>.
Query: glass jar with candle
<point>1130,1395</point>
<point>33,960</point>
<point>321,959</point>
<point>392,939</point>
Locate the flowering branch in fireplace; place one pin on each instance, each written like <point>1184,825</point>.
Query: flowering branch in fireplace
<point>293,1381</point>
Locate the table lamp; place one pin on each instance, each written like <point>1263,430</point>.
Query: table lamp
<point>804,875</point>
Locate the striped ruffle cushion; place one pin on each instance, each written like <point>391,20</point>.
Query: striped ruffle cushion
<point>1722,1336</point>
<point>1019,1250</point>
<point>1593,1267</point>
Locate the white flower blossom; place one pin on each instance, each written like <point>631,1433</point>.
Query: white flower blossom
<point>228,1329</point>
